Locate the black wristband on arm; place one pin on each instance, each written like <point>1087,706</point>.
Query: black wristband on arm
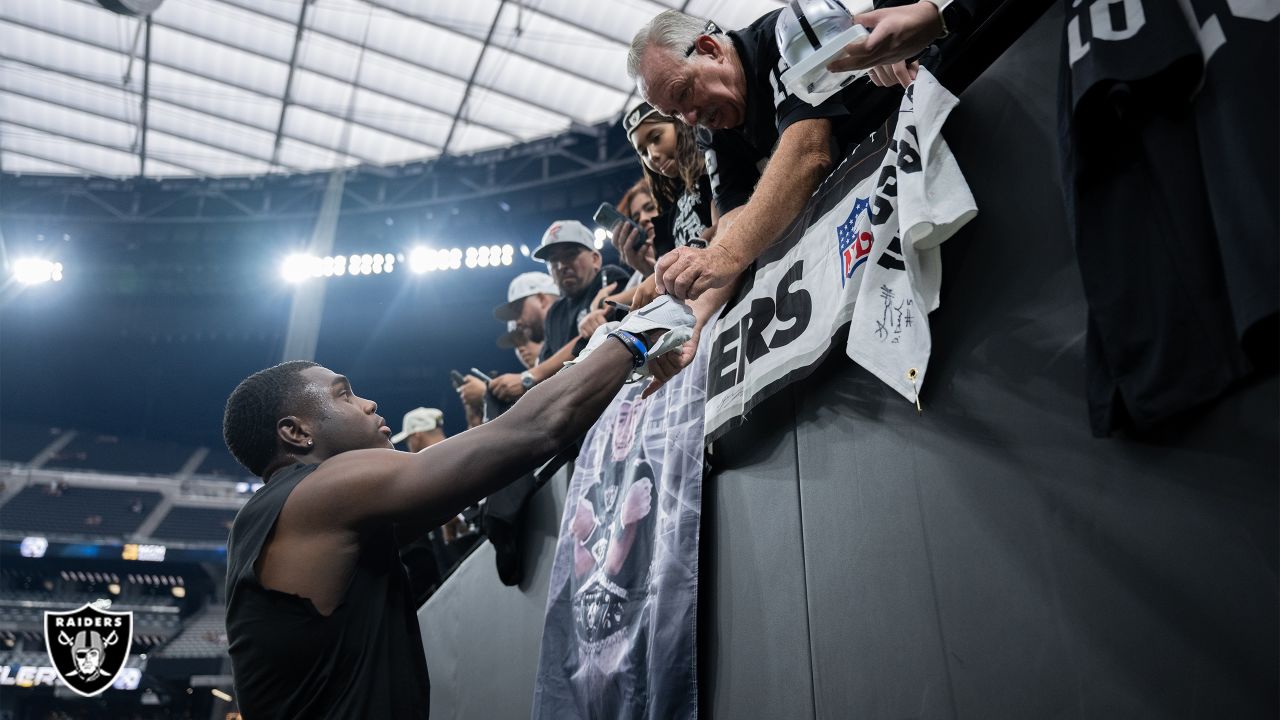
<point>634,345</point>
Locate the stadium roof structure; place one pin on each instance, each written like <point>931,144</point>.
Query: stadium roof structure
<point>216,88</point>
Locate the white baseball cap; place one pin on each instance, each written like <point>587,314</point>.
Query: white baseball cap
<point>418,420</point>
<point>564,232</point>
<point>521,287</point>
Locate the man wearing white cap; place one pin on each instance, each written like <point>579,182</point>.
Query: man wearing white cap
<point>422,427</point>
<point>568,248</point>
<point>529,296</point>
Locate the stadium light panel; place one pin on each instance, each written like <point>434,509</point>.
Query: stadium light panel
<point>421,260</point>
<point>35,547</point>
<point>34,271</point>
<point>294,268</point>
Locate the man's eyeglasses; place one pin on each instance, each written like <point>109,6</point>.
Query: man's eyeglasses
<point>709,29</point>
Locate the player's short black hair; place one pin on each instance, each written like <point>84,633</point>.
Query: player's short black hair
<point>249,421</point>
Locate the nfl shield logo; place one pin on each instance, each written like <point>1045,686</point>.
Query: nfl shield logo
<point>854,245</point>
<point>88,646</point>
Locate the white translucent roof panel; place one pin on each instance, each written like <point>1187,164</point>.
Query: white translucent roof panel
<point>583,53</point>
<point>74,19</point>
<point>470,138</point>
<point>554,90</point>
<point>233,90</point>
<point>231,25</point>
<point>70,92</point>
<point>45,48</point>
<point>363,142</point>
<point>16,162</point>
<point>613,21</point>
<point>77,124</point>
<point>399,35</point>
<point>209,160</point>
<point>64,150</point>
<point>213,98</point>
<point>296,153</point>
<point>194,54</point>
<point>492,109</point>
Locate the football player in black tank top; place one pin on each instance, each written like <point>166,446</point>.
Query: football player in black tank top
<point>320,618</point>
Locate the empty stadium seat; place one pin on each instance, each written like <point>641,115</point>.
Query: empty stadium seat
<point>77,510</point>
<point>196,524</point>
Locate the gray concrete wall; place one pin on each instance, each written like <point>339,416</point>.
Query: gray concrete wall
<point>482,637</point>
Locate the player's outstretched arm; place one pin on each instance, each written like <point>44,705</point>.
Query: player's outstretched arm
<point>418,491</point>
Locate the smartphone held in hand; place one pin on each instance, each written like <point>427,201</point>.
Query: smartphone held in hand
<point>607,218</point>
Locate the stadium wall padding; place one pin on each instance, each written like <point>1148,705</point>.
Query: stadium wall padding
<point>986,559</point>
<point>482,637</point>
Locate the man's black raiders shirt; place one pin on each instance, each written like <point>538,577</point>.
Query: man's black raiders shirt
<point>735,157</point>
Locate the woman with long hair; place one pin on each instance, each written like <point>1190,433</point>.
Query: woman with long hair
<point>675,210</point>
<point>637,251</point>
<point>677,177</point>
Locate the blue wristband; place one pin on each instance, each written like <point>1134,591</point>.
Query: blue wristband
<point>633,344</point>
<point>639,341</point>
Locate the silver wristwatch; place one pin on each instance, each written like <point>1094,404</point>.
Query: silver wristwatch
<point>942,6</point>
<point>526,380</point>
